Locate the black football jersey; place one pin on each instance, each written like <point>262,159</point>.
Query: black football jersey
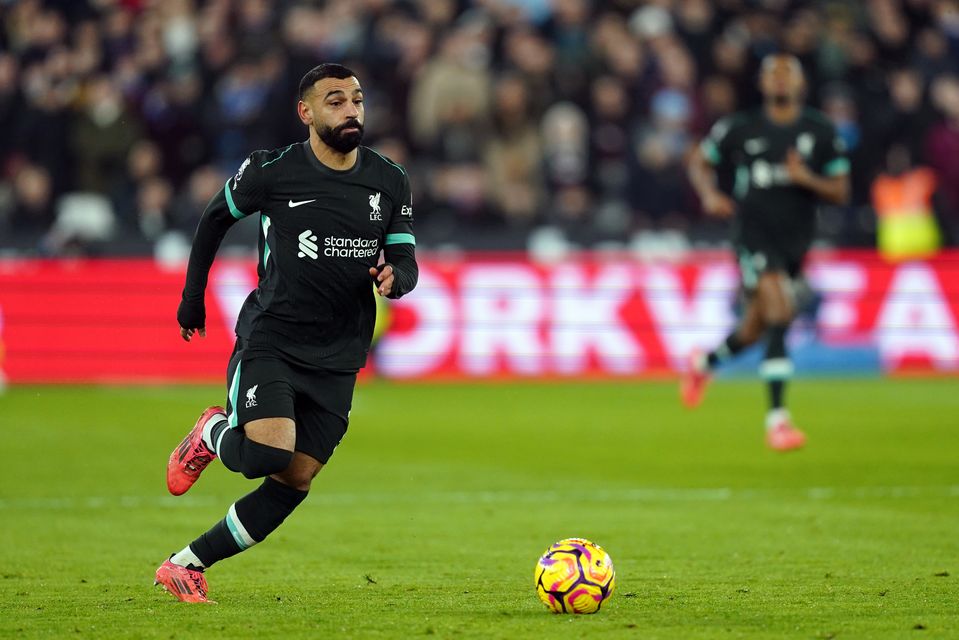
<point>753,149</point>
<point>320,232</point>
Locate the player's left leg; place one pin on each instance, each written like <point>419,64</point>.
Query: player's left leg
<point>774,293</point>
<point>256,515</point>
<point>247,523</point>
<point>251,518</point>
<point>700,366</point>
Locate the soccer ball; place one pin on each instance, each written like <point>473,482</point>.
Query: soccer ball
<point>574,576</point>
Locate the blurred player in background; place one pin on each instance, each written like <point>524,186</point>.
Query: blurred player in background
<point>786,158</point>
<point>327,208</point>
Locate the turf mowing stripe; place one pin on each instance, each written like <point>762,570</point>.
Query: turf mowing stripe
<point>720,494</point>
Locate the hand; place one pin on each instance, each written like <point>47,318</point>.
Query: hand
<point>383,278</point>
<point>799,173</point>
<point>718,204</point>
<point>187,334</point>
<point>191,316</point>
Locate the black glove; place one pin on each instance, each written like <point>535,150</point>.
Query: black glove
<point>191,314</point>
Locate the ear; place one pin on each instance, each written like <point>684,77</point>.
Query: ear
<point>305,112</point>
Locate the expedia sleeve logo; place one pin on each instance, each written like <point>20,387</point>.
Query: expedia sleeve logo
<point>407,210</point>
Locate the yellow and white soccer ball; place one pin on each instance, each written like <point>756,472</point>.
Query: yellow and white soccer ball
<point>574,576</point>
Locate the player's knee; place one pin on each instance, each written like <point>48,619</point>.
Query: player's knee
<point>750,330</point>
<point>299,477</point>
<point>298,481</point>
<point>260,460</point>
<point>777,315</point>
<point>748,335</point>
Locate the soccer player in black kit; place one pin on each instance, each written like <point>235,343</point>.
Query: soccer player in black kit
<point>785,158</point>
<point>327,207</point>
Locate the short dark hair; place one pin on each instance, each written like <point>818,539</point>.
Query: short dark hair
<point>320,71</point>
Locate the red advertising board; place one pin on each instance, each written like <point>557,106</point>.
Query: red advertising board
<point>484,316</point>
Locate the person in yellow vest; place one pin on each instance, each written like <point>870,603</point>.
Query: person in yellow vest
<point>903,199</point>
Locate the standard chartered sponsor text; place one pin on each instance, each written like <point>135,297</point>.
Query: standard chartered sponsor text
<point>350,247</point>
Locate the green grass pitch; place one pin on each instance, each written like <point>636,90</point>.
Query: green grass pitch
<point>430,517</point>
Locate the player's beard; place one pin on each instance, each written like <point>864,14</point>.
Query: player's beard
<point>336,139</point>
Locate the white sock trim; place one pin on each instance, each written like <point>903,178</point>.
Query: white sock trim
<point>700,363</point>
<point>775,417</point>
<point>215,419</point>
<point>723,353</point>
<point>187,557</point>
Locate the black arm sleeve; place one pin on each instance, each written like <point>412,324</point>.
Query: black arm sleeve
<point>400,246</point>
<point>211,229</point>
<point>240,196</point>
<point>402,257</point>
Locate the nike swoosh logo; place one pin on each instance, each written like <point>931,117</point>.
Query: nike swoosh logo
<point>296,204</point>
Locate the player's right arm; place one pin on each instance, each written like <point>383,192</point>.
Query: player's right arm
<point>399,274</point>
<point>702,171</point>
<point>242,195</point>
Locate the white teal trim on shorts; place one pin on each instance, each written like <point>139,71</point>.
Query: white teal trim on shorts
<point>741,184</point>
<point>236,213</point>
<point>748,270</point>
<point>242,537</point>
<point>776,369</point>
<point>234,392</point>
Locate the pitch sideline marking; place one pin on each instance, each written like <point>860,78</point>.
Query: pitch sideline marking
<point>715,494</point>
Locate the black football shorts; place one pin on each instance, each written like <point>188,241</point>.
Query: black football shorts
<point>755,259</point>
<point>262,384</point>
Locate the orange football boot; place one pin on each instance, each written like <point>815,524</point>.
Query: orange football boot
<point>186,585</point>
<point>696,377</point>
<point>191,457</point>
<point>783,436</point>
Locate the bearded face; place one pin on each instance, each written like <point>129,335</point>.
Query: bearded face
<point>342,138</point>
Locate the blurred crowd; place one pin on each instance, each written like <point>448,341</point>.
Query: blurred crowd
<point>520,121</point>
